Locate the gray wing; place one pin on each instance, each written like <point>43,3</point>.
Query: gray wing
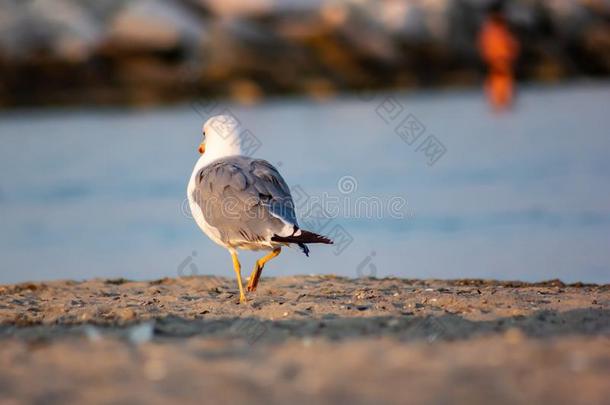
<point>245,199</point>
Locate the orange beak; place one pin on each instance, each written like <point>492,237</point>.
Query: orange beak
<point>202,148</point>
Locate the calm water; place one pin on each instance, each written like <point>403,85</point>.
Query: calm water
<point>524,195</point>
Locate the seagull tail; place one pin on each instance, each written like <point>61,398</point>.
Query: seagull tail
<point>303,238</point>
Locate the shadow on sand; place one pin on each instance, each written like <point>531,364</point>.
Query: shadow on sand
<point>447,327</point>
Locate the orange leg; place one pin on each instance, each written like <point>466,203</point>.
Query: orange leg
<point>237,268</point>
<point>258,269</point>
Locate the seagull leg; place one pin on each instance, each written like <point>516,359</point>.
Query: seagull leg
<point>258,268</point>
<point>237,267</point>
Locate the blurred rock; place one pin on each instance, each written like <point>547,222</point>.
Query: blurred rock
<point>151,51</point>
<point>154,25</point>
<point>596,44</point>
<point>319,88</point>
<point>60,28</point>
<point>244,92</point>
<point>239,8</point>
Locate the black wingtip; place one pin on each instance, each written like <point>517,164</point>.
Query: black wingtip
<point>301,240</point>
<point>304,248</point>
<point>304,237</point>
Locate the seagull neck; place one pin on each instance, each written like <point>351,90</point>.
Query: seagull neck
<point>214,154</point>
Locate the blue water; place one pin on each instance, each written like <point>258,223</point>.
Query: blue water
<point>522,195</point>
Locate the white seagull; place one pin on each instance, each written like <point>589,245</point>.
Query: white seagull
<point>240,202</point>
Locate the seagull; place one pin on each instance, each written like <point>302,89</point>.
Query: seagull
<point>240,202</point>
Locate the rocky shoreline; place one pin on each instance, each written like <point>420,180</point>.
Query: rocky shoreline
<point>156,51</point>
<point>303,339</point>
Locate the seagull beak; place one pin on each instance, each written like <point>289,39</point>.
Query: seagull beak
<point>202,148</point>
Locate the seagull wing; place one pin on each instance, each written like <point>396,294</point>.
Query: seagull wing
<point>246,200</point>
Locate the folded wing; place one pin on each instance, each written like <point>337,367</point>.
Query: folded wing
<point>246,200</point>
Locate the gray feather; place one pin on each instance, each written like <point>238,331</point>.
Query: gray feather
<point>242,198</point>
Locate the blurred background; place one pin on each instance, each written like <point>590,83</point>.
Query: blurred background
<point>489,119</point>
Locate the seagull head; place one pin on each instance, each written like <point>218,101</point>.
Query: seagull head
<point>221,137</point>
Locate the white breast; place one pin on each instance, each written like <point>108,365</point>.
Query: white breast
<point>197,213</point>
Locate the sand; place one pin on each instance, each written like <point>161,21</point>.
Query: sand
<point>315,339</point>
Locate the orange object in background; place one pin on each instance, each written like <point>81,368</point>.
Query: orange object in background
<point>499,49</point>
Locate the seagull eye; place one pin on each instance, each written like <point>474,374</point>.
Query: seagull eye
<point>203,134</point>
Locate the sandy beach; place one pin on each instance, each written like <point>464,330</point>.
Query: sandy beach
<point>302,339</point>
<point>421,154</point>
